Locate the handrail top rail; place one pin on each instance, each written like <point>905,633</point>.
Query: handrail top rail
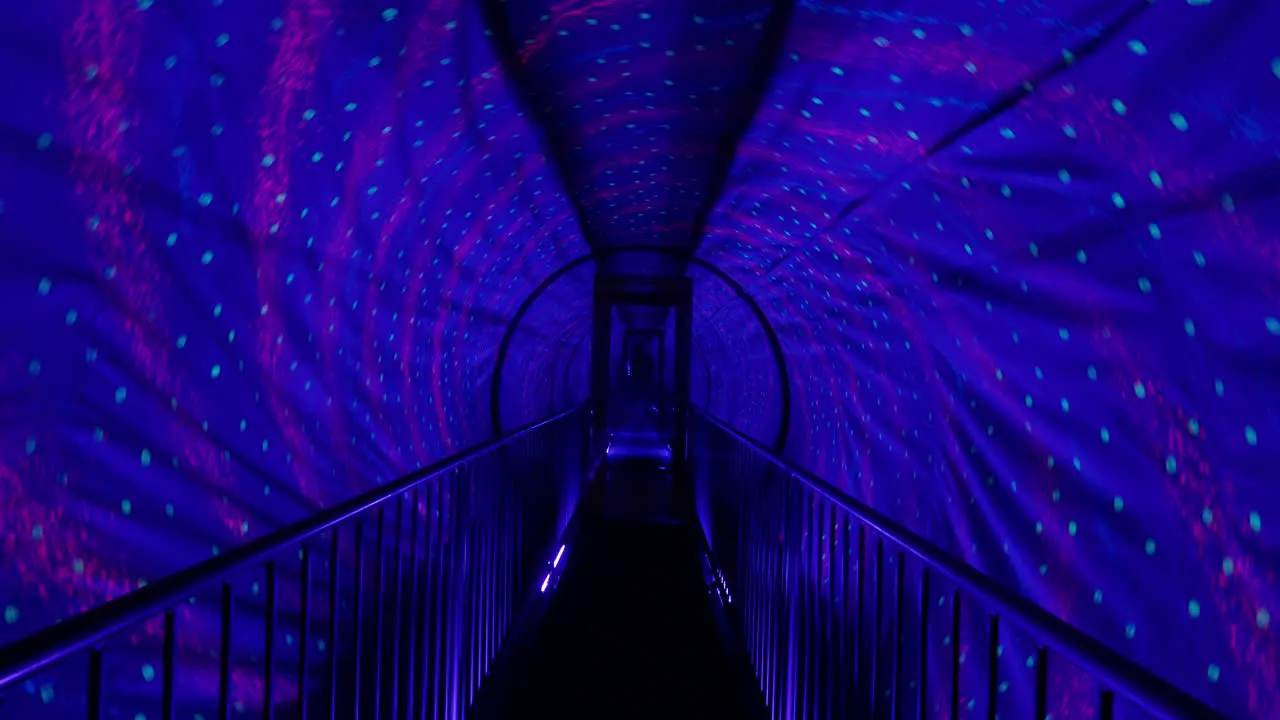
<point>1131,679</point>
<point>42,648</point>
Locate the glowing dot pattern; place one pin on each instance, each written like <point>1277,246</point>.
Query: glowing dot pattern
<point>259,256</point>
<point>223,325</point>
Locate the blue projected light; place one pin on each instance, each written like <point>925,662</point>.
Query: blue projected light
<point>1022,260</point>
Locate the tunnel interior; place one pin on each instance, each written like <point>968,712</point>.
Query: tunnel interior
<point>1008,272</point>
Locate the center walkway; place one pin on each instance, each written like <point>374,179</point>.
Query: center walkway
<point>630,631</point>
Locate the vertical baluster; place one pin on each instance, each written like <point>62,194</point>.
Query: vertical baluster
<point>818,545</point>
<point>746,572</point>
<point>955,654</point>
<point>840,614</point>
<point>759,531</point>
<point>224,657</point>
<point>817,542</point>
<point>515,569</point>
<point>474,606</point>
<point>379,631</point>
<point>508,553</point>
<point>335,562</point>
<point>813,656</point>
<point>458,597</point>
<point>479,568</point>
<point>829,642</point>
<point>859,624</point>
<point>501,567</point>
<point>395,614</point>
<point>923,710</point>
<point>752,577</point>
<point>779,599</point>
<point>993,666</point>
<point>97,704</point>
<point>454,597</point>
<point>803,600</point>
<point>448,531</point>
<point>500,495</point>
<point>464,606</point>
<point>269,651</point>
<point>753,534</point>
<point>499,570</point>
<point>1107,705</point>
<point>878,621</point>
<point>411,664</point>
<point>468,609</point>
<point>1042,683</point>
<point>777,591</point>
<point>792,573</point>
<point>430,626</point>
<point>441,592</point>
<point>756,538</point>
<point>491,565</point>
<point>813,673</point>
<point>487,568</point>
<point>470,605</point>
<point>168,663</point>
<point>357,624</point>
<point>767,540</point>
<point>481,622</point>
<point>304,630</point>
<point>900,635</point>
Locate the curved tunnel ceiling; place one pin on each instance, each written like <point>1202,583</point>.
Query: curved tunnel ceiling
<point>641,104</point>
<point>1021,259</point>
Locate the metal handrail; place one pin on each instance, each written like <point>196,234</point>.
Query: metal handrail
<point>30,654</point>
<point>1129,678</point>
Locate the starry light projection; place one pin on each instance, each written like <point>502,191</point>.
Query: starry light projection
<point>258,258</point>
<point>1022,258</point>
<point>1023,262</point>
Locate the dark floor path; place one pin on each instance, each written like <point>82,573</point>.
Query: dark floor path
<point>629,633</point>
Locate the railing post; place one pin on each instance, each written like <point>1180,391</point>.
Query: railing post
<point>224,655</point>
<point>993,667</point>
<point>900,634</point>
<point>335,562</point>
<point>925,602</point>
<point>791,577</point>
<point>396,613</point>
<point>411,672</point>
<point>97,700</point>
<point>168,667</point>
<point>357,635</point>
<point>379,629</point>
<point>269,642</point>
<point>955,655</point>
<point>304,630</point>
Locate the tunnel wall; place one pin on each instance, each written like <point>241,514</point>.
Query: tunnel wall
<point>1024,263</point>
<point>1022,260</point>
<point>733,363</point>
<point>256,258</point>
<point>549,356</point>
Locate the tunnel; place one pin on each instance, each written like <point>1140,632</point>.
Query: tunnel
<point>1005,273</point>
